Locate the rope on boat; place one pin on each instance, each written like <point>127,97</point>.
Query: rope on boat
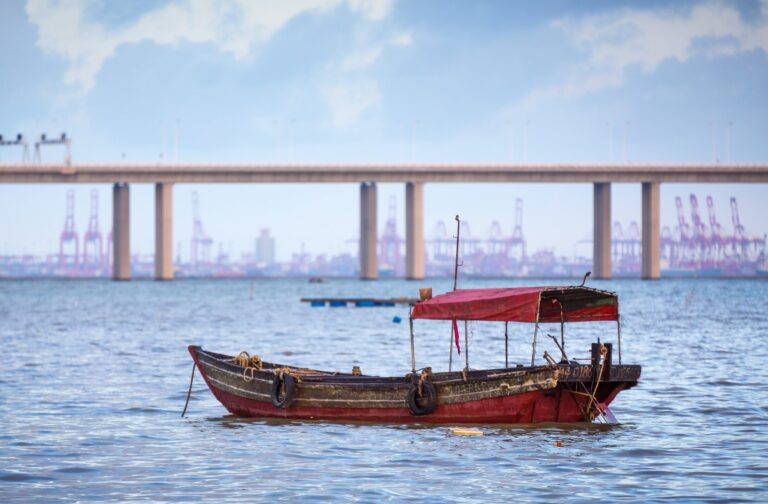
<point>422,394</point>
<point>189,392</point>
<point>424,376</point>
<point>249,363</point>
<point>296,374</point>
<point>252,363</point>
<point>603,352</point>
<point>244,359</point>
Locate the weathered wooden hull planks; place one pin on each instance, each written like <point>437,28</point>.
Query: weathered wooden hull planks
<point>515,395</point>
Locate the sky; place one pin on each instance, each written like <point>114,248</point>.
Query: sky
<point>380,81</point>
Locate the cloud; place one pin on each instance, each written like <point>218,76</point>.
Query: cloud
<point>347,100</point>
<point>350,95</point>
<point>374,10</point>
<point>233,26</point>
<point>401,39</point>
<point>359,60</point>
<point>645,39</point>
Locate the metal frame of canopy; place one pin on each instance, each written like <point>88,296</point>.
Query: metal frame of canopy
<point>587,298</point>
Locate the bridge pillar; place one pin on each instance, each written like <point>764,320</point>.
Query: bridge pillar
<point>369,268</point>
<point>163,231</point>
<point>121,247</point>
<point>414,230</point>
<point>651,269</point>
<point>602,231</point>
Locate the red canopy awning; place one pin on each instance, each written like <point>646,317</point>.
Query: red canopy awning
<point>519,304</point>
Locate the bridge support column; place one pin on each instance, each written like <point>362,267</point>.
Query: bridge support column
<point>414,230</point>
<point>369,268</point>
<point>602,231</point>
<point>651,269</point>
<point>121,247</point>
<point>163,231</point>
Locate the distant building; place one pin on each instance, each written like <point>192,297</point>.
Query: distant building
<point>265,248</point>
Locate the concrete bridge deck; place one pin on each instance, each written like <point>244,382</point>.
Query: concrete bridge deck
<point>368,175</point>
<point>384,172</point>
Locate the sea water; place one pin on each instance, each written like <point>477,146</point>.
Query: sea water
<point>94,375</point>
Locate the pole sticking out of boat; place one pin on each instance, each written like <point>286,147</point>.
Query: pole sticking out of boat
<point>456,261</point>
<point>455,284</point>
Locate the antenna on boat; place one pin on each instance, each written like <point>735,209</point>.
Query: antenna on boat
<point>583,280</point>
<point>456,263</point>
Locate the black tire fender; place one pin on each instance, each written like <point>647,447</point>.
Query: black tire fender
<point>288,383</point>
<point>424,404</point>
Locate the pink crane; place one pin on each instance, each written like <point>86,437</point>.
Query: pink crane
<point>69,237</point>
<point>390,243</point>
<point>699,230</point>
<point>716,231</point>
<point>496,244</point>
<point>517,245</point>
<point>682,226</point>
<point>201,242</point>
<point>92,240</point>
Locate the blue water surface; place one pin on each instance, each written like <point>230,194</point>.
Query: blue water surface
<point>95,374</point>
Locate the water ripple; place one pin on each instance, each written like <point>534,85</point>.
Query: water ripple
<point>96,375</point>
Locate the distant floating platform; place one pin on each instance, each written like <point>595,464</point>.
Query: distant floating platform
<point>359,302</point>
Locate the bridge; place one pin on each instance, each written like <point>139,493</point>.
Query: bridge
<point>414,176</point>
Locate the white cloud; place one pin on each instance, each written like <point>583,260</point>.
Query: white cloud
<point>350,96</point>
<point>375,10</point>
<point>348,100</point>
<point>645,39</point>
<point>234,26</point>
<point>361,59</point>
<point>401,39</point>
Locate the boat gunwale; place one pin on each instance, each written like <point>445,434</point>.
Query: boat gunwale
<point>317,377</point>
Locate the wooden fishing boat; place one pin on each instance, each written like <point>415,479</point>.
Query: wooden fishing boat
<point>562,390</point>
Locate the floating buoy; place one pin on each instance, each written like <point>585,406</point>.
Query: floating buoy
<point>458,431</point>
<point>558,443</point>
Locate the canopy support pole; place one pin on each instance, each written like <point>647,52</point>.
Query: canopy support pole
<point>562,333</point>
<point>506,345</point>
<point>413,352</point>
<point>466,344</point>
<point>618,331</point>
<point>536,331</point>
<point>450,352</point>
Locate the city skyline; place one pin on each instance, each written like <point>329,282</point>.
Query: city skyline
<point>704,244</point>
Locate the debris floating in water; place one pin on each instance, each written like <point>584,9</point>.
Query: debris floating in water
<point>459,431</point>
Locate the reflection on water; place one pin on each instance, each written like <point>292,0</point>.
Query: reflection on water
<point>96,373</point>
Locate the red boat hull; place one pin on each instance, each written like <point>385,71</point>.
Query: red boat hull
<point>563,403</point>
